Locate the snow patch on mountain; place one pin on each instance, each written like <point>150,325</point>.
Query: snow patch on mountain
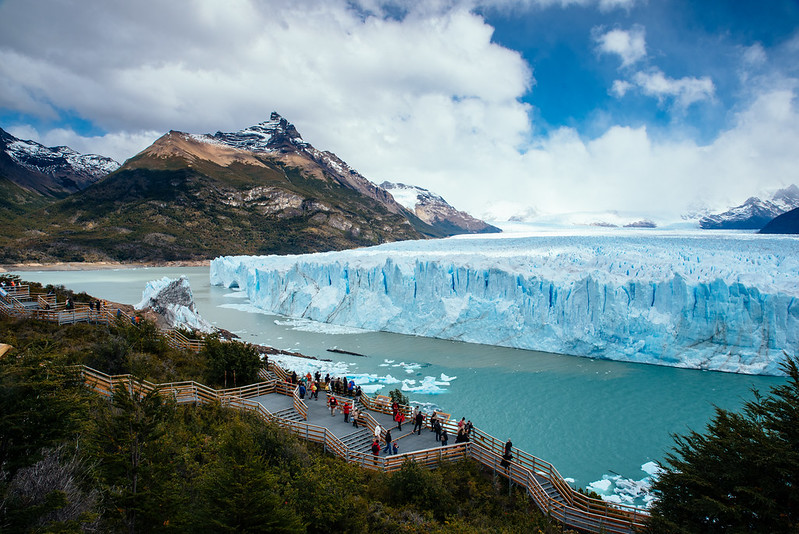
<point>724,302</point>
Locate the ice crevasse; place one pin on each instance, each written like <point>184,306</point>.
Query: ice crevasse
<point>727,303</point>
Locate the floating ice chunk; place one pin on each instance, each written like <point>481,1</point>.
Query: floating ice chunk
<point>601,486</point>
<point>446,378</point>
<point>428,386</point>
<point>652,469</point>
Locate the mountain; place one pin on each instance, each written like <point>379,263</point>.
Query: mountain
<point>435,211</point>
<point>787,223</point>
<point>261,190</point>
<point>50,171</point>
<point>755,213</point>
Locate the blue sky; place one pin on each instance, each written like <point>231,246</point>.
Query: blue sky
<point>633,107</point>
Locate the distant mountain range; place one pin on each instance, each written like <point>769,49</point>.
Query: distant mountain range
<point>755,213</point>
<point>257,191</point>
<point>50,171</point>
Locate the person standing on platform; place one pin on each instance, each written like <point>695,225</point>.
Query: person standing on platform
<point>346,410</point>
<point>417,425</point>
<point>508,456</point>
<point>444,438</point>
<point>332,402</point>
<point>387,449</point>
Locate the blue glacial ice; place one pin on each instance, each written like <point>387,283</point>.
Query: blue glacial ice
<point>721,301</point>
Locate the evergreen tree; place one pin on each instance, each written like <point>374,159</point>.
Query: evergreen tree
<point>126,444</point>
<point>742,475</point>
<point>230,363</point>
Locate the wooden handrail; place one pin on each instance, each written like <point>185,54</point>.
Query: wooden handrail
<point>573,509</point>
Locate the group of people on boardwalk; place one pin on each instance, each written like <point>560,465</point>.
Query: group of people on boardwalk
<point>311,385</point>
<point>338,387</point>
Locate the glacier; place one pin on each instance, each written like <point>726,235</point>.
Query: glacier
<point>725,301</point>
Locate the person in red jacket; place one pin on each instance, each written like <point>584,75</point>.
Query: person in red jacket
<point>346,410</point>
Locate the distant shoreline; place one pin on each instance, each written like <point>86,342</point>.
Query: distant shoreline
<point>97,265</point>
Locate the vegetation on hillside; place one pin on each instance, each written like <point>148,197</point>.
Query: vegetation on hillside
<point>71,461</point>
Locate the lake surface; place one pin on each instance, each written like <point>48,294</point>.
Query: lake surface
<point>589,418</point>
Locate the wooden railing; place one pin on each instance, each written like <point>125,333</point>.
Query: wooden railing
<point>568,506</point>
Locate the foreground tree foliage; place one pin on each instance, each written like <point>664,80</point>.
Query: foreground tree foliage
<point>742,475</point>
<point>71,461</point>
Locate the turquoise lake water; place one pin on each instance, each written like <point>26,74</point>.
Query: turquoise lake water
<point>589,418</point>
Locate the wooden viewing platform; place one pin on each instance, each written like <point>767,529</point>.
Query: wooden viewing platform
<point>278,401</point>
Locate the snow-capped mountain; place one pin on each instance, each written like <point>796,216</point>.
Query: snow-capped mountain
<point>278,136</point>
<point>755,213</point>
<point>435,211</point>
<point>51,171</point>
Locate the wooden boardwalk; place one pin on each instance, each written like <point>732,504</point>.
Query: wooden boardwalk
<point>278,401</point>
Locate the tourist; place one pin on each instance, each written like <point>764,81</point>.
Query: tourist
<point>433,421</point>
<point>394,409</point>
<point>346,410</point>
<point>294,377</point>
<point>356,413</point>
<point>469,428</point>
<point>461,423</point>
<point>308,376</point>
<point>437,429</point>
<point>351,387</point>
<point>400,419</point>
<point>394,448</point>
<point>317,376</point>
<point>313,391</point>
<point>332,402</point>
<point>358,391</point>
<point>387,437</point>
<point>461,437</point>
<point>508,456</point>
<point>378,431</point>
<point>444,437</point>
<point>376,447</point>
<point>418,421</point>
<point>302,391</point>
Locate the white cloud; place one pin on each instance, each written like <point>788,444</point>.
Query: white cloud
<point>683,91</point>
<point>620,88</point>
<point>426,100</point>
<point>630,45</point>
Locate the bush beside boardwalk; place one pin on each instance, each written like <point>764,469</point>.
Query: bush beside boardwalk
<point>202,468</point>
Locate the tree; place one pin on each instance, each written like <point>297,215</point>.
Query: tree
<point>126,442</point>
<point>230,363</point>
<point>742,475</point>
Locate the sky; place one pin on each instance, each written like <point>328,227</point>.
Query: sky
<point>652,108</point>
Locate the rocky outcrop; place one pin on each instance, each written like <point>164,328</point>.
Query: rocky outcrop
<point>173,301</point>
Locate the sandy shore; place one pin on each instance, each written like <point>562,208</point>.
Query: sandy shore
<point>96,266</point>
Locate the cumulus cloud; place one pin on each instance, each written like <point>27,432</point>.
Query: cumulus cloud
<point>426,98</point>
<point>629,45</point>
<point>682,91</point>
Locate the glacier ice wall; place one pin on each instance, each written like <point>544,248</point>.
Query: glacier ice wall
<point>722,303</point>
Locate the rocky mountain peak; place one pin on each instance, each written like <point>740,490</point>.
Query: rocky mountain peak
<point>275,135</point>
